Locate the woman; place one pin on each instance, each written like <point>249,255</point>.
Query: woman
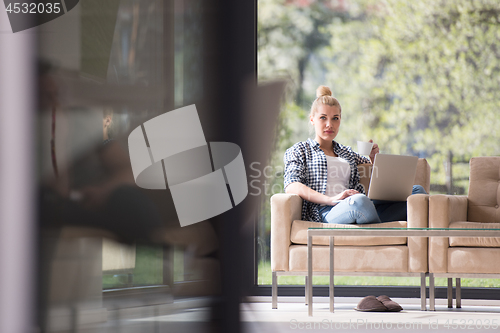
<point>325,173</point>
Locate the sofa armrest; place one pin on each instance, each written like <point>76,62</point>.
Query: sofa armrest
<point>423,174</point>
<point>443,209</point>
<point>285,208</point>
<point>418,217</point>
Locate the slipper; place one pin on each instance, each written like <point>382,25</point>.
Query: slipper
<point>389,303</point>
<point>371,304</point>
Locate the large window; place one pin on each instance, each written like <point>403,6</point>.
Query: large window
<point>418,77</point>
<point>105,69</point>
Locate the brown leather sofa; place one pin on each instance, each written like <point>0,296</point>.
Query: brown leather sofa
<point>372,256</point>
<point>472,257</point>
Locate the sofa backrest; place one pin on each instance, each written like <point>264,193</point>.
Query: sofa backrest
<point>484,190</point>
<point>422,175</point>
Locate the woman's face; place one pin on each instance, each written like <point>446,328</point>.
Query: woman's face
<point>326,122</point>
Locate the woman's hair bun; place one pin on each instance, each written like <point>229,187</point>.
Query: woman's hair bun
<point>324,97</point>
<point>323,91</point>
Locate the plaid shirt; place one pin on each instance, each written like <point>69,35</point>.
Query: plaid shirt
<point>305,163</point>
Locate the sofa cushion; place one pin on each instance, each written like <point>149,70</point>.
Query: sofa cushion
<point>473,260</point>
<point>484,190</point>
<point>475,241</point>
<point>351,258</point>
<point>298,234</point>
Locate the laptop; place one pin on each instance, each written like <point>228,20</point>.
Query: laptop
<point>392,177</point>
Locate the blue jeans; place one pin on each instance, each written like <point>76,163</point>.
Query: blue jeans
<point>395,210</point>
<point>360,209</point>
<point>357,208</point>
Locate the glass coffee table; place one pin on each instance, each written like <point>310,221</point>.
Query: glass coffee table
<point>382,232</point>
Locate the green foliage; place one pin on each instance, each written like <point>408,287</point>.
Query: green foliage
<point>289,34</point>
<point>423,75</point>
<point>419,77</point>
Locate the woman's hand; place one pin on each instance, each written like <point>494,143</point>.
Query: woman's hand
<point>375,151</point>
<point>345,194</point>
<point>311,195</point>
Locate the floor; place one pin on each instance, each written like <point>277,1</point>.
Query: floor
<point>291,316</point>
<point>193,316</point>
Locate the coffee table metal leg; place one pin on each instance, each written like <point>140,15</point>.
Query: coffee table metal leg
<point>450,293</point>
<point>306,294</point>
<point>432,299</point>
<point>309,275</point>
<point>458,290</point>
<point>331,275</point>
<point>423,296</point>
<point>274,291</point>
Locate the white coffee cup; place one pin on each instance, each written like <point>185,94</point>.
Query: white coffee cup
<point>365,148</point>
